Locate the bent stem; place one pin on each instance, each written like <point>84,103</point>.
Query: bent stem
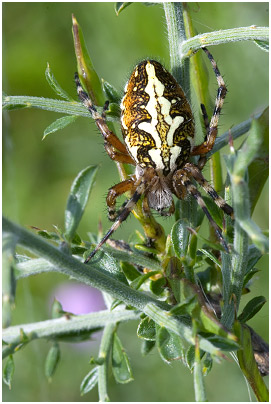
<point>88,274</point>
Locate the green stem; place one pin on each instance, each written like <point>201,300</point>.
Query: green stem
<point>18,335</point>
<point>234,132</point>
<point>50,104</point>
<point>155,309</point>
<point>181,328</point>
<point>200,395</point>
<point>88,274</point>
<point>104,353</point>
<point>176,37</point>
<point>253,33</point>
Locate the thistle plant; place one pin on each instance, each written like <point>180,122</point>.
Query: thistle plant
<point>184,290</point>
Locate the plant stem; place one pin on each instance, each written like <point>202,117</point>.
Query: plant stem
<point>234,132</point>
<point>104,353</point>
<point>176,36</point>
<point>254,33</point>
<point>61,327</point>
<point>50,104</point>
<point>88,274</point>
<point>200,395</point>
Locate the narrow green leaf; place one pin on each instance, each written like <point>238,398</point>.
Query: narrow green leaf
<point>158,286</point>
<point>57,309</point>
<point>49,235</point>
<point>147,346</point>
<point>60,123</point>
<point>129,271</point>
<point>55,85</point>
<point>180,237</point>
<point>210,256</point>
<point>264,45</point>
<point>9,371</point>
<point>134,257</point>
<point>222,343</point>
<point>141,279</point>
<point>89,381</point>
<point>113,112</point>
<point>180,326</point>
<point>253,257</point>
<point>78,198</point>
<point>169,345</point>
<point>88,76</point>
<point>184,308</point>
<point>248,364</point>
<point>251,308</point>
<point>76,337</point>
<point>258,169</point>
<point>213,246</point>
<point>120,6</point>
<point>214,210</point>
<point>111,94</point>
<point>110,266</point>
<point>52,361</point>
<point>76,239</point>
<point>190,357</point>
<point>249,276</point>
<point>207,364</point>
<point>120,363</point>
<point>147,329</point>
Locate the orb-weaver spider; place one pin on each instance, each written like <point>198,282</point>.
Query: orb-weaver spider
<point>158,130</point>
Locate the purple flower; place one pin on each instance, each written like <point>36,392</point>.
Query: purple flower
<point>78,298</point>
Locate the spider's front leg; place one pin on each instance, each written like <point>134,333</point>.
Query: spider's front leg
<point>140,187</point>
<point>208,143</point>
<point>116,191</point>
<point>111,140</point>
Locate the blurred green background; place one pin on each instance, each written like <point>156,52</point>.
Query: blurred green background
<point>37,175</point>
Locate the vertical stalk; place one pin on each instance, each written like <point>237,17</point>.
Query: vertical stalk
<point>176,35</point>
<point>199,79</point>
<point>200,395</point>
<point>180,70</point>
<point>104,352</point>
<point>238,263</point>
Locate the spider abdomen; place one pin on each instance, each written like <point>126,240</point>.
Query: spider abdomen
<point>156,118</point>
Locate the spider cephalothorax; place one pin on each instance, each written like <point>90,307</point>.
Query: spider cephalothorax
<point>158,130</point>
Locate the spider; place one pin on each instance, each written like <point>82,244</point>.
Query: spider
<point>158,130</point>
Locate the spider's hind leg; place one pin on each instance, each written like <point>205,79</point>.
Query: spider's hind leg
<point>205,119</point>
<point>208,144</point>
<point>182,179</point>
<point>195,172</point>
